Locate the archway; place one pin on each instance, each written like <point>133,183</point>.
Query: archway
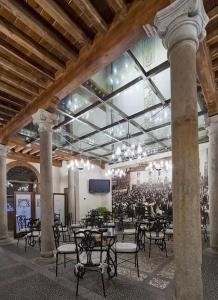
<point>21,177</point>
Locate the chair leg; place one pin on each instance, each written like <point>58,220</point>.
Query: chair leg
<point>18,241</point>
<point>25,244</point>
<point>150,248</point>
<point>137,263</point>
<point>165,246</point>
<point>115,263</point>
<point>102,280</point>
<point>64,260</point>
<point>77,285</point>
<point>56,264</point>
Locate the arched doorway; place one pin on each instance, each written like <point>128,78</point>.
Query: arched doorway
<point>21,177</point>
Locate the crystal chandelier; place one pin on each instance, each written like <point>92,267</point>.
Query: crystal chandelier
<point>128,153</point>
<point>80,164</point>
<point>115,173</point>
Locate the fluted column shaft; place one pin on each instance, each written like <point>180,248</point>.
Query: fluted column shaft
<point>3,193</point>
<point>45,121</point>
<point>181,26</point>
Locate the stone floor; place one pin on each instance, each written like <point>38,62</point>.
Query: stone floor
<point>22,277</point>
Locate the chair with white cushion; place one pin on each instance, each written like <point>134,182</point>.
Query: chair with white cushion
<point>156,234</point>
<point>91,254</point>
<point>128,231</point>
<point>22,227</point>
<point>62,249</point>
<point>126,248</point>
<point>33,235</point>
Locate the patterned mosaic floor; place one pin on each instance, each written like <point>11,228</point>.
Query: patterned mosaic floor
<point>21,277</point>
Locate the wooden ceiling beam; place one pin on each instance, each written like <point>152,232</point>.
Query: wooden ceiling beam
<point>212,37</point>
<point>26,150</point>
<point>34,151</point>
<point>18,149</point>
<point>29,158</point>
<point>89,10</point>
<point>4,117</point>
<point>15,81</point>
<point>103,51</point>
<point>30,45</point>
<point>117,5</point>
<point>25,59</point>
<point>5,87</point>
<point>14,101</point>
<point>4,105</point>
<point>31,21</point>
<point>206,78</point>
<point>213,14</point>
<point>6,111</point>
<point>17,70</point>
<point>60,16</point>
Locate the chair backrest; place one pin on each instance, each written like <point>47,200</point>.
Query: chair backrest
<point>57,234</point>
<point>87,242</point>
<point>57,218</point>
<point>21,222</point>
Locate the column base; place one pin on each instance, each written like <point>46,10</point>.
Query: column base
<point>47,254</point>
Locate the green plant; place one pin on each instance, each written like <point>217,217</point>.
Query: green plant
<point>102,210</point>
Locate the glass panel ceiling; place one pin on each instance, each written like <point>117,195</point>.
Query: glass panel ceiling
<point>77,101</point>
<point>136,98</point>
<point>150,52</point>
<point>112,97</point>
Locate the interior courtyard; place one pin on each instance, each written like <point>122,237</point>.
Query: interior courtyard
<point>108,149</point>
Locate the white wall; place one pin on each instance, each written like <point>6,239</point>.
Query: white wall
<point>87,201</point>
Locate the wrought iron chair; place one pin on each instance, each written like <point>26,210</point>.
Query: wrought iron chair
<point>62,249</point>
<point>91,254</point>
<point>22,227</point>
<point>126,248</point>
<point>156,234</point>
<point>34,234</point>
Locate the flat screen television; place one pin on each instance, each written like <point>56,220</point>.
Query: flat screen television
<point>99,186</point>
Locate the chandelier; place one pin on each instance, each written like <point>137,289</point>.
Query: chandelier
<point>115,173</point>
<point>128,153</point>
<point>80,164</point>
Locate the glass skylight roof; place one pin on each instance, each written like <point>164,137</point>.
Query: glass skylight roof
<point>126,102</point>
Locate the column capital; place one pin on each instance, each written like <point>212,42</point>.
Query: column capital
<point>45,120</point>
<point>181,20</point>
<point>3,150</point>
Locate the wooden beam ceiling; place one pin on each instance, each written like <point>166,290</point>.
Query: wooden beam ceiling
<point>93,57</point>
<point>29,152</point>
<point>207,63</point>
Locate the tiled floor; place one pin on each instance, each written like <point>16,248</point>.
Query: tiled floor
<point>22,278</point>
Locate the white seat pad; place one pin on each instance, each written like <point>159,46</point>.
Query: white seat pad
<point>34,234</point>
<point>129,231</point>
<point>154,236</point>
<point>67,248</point>
<point>125,247</point>
<point>95,258</point>
<point>169,231</point>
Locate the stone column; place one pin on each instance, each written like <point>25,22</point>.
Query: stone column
<point>71,194</point>
<point>3,193</point>
<point>46,121</point>
<point>213,181</point>
<point>181,25</point>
